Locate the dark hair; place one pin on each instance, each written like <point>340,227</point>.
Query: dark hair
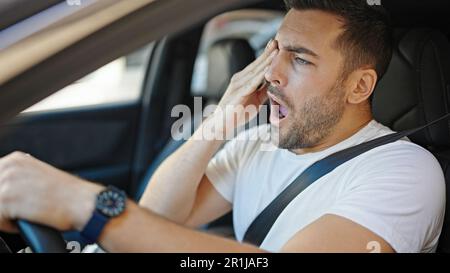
<point>367,35</point>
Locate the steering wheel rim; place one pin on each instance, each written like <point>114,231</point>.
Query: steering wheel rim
<point>41,239</point>
<point>4,248</point>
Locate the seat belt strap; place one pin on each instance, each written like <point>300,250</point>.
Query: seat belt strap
<point>261,225</point>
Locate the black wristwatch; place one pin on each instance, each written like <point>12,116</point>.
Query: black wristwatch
<point>110,203</point>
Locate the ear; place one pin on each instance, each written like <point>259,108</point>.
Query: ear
<point>362,83</point>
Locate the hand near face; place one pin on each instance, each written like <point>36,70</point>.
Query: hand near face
<point>35,191</point>
<point>245,89</point>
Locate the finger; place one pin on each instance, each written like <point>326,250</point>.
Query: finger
<point>264,65</point>
<point>252,85</point>
<point>262,94</point>
<point>245,85</point>
<point>8,226</point>
<point>261,65</point>
<point>255,67</point>
<point>258,74</point>
<point>271,46</point>
<point>266,54</point>
<point>262,84</point>
<point>257,70</point>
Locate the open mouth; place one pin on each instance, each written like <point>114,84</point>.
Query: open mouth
<point>278,111</point>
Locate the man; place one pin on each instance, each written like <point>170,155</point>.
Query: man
<point>322,67</point>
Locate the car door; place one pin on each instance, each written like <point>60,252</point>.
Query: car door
<point>99,127</point>
<point>95,125</point>
<point>88,128</point>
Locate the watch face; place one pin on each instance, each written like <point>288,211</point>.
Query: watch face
<point>111,202</point>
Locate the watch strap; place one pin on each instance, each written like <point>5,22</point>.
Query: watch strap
<point>94,227</point>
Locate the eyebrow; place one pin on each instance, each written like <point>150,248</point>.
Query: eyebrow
<point>301,50</point>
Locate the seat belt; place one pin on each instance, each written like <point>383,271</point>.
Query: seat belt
<point>261,225</point>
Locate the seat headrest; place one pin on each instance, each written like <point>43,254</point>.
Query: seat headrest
<point>225,58</point>
<point>415,89</point>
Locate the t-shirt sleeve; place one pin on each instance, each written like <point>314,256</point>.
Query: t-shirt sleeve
<point>400,196</point>
<point>223,169</point>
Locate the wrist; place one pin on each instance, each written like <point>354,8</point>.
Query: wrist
<point>102,206</point>
<point>84,206</point>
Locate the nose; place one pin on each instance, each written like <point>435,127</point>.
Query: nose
<point>276,73</point>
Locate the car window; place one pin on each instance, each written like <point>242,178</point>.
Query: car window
<point>256,26</point>
<point>13,11</point>
<point>117,82</point>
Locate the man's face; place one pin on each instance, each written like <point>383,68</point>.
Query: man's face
<point>306,79</point>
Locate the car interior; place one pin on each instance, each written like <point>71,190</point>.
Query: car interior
<point>122,144</point>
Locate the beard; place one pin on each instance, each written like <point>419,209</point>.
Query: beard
<point>313,121</point>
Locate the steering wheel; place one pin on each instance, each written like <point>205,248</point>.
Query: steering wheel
<point>4,247</point>
<point>41,239</point>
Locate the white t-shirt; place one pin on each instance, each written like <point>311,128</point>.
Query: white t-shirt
<point>396,190</point>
